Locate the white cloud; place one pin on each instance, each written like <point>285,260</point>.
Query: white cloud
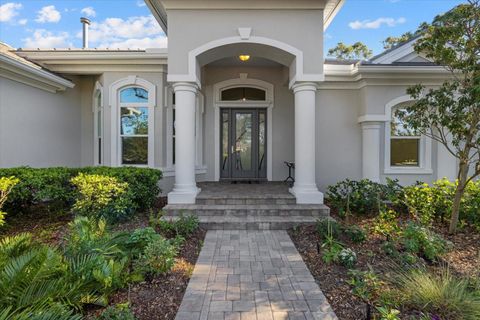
<point>133,32</point>
<point>89,12</point>
<point>22,22</point>
<point>45,39</point>
<point>48,14</point>
<point>9,10</point>
<point>375,24</point>
<point>141,3</point>
<point>147,42</point>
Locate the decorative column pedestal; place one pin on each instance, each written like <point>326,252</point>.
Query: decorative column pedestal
<point>371,150</point>
<point>305,188</point>
<point>185,188</point>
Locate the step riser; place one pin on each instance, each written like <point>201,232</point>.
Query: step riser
<point>254,213</point>
<point>252,225</point>
<point>250,201</point>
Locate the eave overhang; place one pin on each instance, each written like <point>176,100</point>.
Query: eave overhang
<point>36,77</point>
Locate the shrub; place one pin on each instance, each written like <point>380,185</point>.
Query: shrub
<point>386,224</point>
<point>365,284</point>
<point>184,226</point>
<point>420,240</point>
<point>6,186</point>
<point>142,182</point>
<point>157,258</point>
<point>441,295</point>
<point>118,312</point>
<point>361,197</point>
<point>100,196</point>
<point>139,239</point>
<point>328,227</point>
<point>347,257</point>
<point>356,234</point>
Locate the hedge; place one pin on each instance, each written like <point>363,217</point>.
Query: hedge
<point>53,186</point>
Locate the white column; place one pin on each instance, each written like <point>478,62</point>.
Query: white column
<point>185,188</point>
<point>305,187</point>
<point>371,150</point>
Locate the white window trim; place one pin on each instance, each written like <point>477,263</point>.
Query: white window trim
<point>200,168</point>
<point>243,81</point>
<point>98,90</point>
<point>115,88</point>
<point>425,148</point>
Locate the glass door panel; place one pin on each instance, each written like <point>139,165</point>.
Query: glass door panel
<point>243,155</point>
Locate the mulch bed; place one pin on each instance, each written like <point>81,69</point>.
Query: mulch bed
<point>464,260</point>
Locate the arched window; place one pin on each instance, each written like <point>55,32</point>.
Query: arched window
<point>98,152</point>
<point>133,122</point>
<point>243,94</point>
<point>406,151</point>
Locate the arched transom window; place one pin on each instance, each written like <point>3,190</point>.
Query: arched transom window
<point>243,94</point>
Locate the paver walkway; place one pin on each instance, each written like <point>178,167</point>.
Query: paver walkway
<point>260,275</point>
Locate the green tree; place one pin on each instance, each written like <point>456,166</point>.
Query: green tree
<point>391,42</point>
<point>357,50</point>
<point>450,114</point>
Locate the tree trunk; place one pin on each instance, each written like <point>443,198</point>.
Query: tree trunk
<point>462,179</point>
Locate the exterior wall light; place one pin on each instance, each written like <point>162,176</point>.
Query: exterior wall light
<point>244,57</point>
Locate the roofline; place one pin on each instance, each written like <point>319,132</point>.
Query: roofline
<point>37,77</point>
<point>394,48</point>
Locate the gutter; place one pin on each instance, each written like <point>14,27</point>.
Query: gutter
<point>159,13</point>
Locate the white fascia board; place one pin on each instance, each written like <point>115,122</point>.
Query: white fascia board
<point>396,54</point>
<point>330,15</point>
<point>30,75</point>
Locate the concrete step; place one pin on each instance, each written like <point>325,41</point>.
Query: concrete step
<point>249,210</point>
<point>252,222</point>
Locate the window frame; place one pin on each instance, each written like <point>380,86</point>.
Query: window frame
<point>98,91</point>
<point>116,138</point>
<point>425,144</point>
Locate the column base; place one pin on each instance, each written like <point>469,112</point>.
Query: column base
<point>309,195</point>
<point>177,196</point>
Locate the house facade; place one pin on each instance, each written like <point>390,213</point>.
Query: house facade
<point>242,88</point>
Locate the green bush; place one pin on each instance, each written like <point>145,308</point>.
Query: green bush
<point>139,239</point>
<point>184,226</point>
<point>157,258</point>
<point>328,227</point>
<point>102,196</point>
<point>440,295</point>
<point>6,186</point>
<point>118,312</point>
<point>53,186</point>
<point>356,234</point>
<point>347,257</point>
<point>361,197</point>
<point>142,182</point>
<point>422,241</point>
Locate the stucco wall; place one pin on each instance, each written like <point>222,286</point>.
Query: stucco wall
<point>189,29</point>
<point>42,129</point>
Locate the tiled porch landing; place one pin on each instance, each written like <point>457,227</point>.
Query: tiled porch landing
<point>241,206</point>
<point>252,275</point>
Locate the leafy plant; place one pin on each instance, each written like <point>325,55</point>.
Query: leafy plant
<point>347,257</point>
<point>388,314</point>
<point>157,258</point>
<point>6,186</point>
<point>139,239</point>
<point>441,294</point>
<point>365,284</point>
<point>101,196</point>
<point>183,226</point>
<point>328,227</point>
<point>386,224</point>
<point>356,234</point>
<point>331,247</point>
<point>420,240</point>
<point>118,312</point>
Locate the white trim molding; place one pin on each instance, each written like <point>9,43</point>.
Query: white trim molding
<point>114,103</point>
<point>425,149</point>
<point>98,91</point>
<point>243,81</point>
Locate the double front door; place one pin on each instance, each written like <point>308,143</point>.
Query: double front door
<point>243,137</point>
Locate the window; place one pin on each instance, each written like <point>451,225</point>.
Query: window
<point>243,94</point>
<point>98,124</point>
<point>404,143</point>
<point>406,151</point>
<point>134,115</point>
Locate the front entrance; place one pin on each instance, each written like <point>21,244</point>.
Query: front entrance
<point>243,139</point>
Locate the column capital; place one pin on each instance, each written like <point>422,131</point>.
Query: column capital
<point>304,86</point>
<point>185,86</point>
<point>373,118</point>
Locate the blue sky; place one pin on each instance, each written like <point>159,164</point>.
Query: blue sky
<point>128,23</point>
